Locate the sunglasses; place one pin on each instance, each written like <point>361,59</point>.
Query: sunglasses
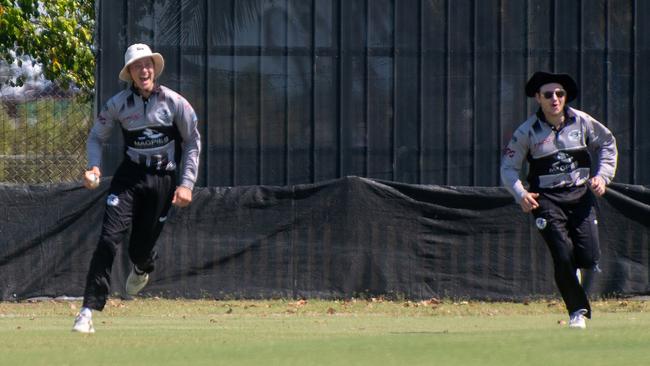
<point>549,94</point>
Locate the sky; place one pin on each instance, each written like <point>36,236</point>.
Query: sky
<point>35,80</point>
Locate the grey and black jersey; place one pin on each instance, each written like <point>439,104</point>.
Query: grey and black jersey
<point>558,159</point>
<point>159,132</point>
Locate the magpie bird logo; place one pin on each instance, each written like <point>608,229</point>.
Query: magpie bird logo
<point>150,134</point>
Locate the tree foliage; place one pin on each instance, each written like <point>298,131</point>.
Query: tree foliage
<point>58,34</point>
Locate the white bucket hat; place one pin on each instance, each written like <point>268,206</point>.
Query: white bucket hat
<point>136,52</point>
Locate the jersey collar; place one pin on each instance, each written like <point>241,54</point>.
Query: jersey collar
<point>136,91</point>
<point>569,117</point>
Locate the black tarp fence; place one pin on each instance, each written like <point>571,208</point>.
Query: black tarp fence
<point>348,237</point>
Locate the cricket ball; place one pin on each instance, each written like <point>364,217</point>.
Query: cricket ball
<point>94,180</point>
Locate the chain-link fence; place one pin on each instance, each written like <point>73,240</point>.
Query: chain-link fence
<point>42,135</point>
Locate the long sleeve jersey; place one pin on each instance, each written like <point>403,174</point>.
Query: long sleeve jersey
<point>159,132</point>
<point>560,161</point>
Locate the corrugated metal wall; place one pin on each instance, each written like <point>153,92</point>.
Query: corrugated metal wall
<point>416,91</point>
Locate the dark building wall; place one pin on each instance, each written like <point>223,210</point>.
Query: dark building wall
<point>414,91</point>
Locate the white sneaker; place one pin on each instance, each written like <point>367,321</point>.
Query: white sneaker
<point>83,324</point>
<point>136,282</point>
<point>577,319</point>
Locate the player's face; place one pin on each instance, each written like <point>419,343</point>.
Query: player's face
<point>142,72</point>
<point>552,98</point>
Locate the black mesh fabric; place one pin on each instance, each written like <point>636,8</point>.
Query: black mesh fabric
<point>350,237</point>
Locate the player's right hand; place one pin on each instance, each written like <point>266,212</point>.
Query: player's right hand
<point>529,202</point>
<point>91,178</point>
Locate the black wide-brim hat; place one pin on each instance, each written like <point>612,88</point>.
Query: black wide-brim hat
<point>541,78</point>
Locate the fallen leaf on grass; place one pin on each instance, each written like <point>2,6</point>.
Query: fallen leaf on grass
<point>431,301</point>
<point>302,302</point>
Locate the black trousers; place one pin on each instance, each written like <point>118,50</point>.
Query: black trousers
<point>138,200</point>
<point>570,231</point>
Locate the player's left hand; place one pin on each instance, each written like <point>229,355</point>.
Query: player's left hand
<point>597,185</point>
<point>182,197</point>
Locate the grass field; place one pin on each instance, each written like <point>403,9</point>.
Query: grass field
<point>361,332</point>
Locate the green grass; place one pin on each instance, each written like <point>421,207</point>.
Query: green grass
<point>373,332</point>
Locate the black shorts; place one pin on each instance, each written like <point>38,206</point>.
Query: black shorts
<point>138,199</point>
<point>570,229</point>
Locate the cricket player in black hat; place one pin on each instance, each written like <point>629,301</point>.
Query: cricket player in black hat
<point>571,159</point>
